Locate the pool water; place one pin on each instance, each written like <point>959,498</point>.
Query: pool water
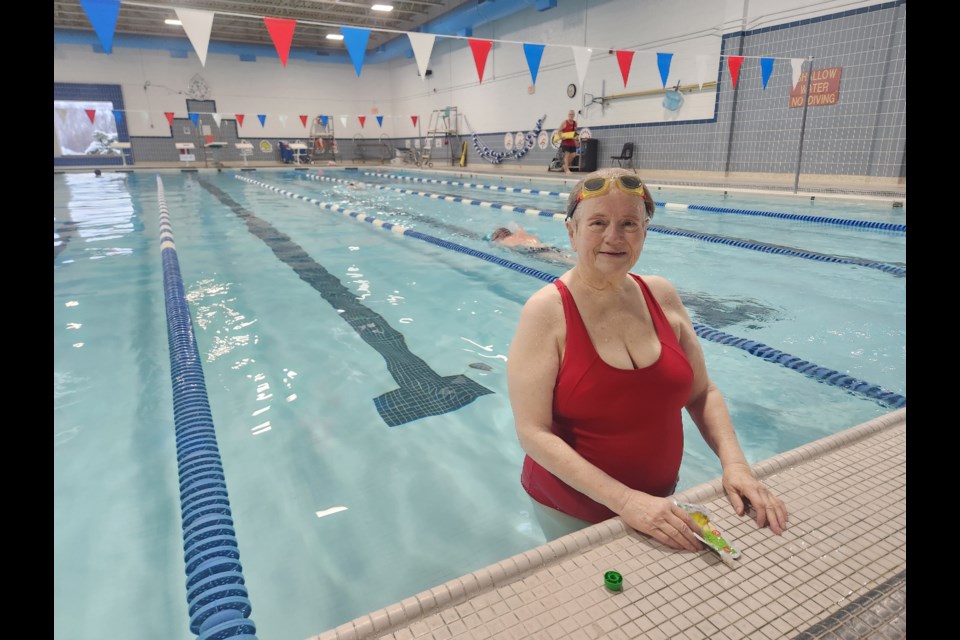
<point>282,293</point>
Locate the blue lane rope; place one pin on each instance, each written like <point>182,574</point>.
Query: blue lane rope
<point>777,250</point>
<point>732,242</point>
<point>448,198</point>
<point>809,369</point>
<point>470,185</point>
<point>821,374</point>
<point>403,231</point>
<point>865,224</point>
<point>216,596</point>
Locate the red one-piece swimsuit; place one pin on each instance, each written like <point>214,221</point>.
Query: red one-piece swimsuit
<point>627,422</point>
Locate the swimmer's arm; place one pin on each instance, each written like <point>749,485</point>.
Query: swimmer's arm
<point>708,410</point>
<point>532,367</point>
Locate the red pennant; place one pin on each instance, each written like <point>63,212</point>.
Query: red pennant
<point>734,63</point>
<point>625,59</point>
<point>363,120</point>
<point>281,32</point>
<point>92,113</point>
<point>414,118</point>
<point>303,119</point>
<point>480,48</point>
<point>169,115</point>
<point>239,119</point>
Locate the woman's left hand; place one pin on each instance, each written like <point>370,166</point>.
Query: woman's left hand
<point>744,489</point>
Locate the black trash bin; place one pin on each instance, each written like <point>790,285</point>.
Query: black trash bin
<point>589,150</point>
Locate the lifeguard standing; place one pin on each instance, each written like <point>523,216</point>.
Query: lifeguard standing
<point>568,141</point>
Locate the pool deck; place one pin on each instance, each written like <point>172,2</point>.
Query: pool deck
<point>838,571</point>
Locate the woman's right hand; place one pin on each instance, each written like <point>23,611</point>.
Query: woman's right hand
<point>660,519</point>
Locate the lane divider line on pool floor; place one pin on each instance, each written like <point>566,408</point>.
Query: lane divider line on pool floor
<point>809,369</point>
<point>217,599</point>
<point>695,235</point>
<point>846,222</point>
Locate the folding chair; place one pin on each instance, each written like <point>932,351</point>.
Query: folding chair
<point>626,155</point>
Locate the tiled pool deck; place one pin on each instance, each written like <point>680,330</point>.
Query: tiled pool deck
<point>839,571</point>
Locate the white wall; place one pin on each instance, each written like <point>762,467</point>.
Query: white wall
<point>250,88</point>
<point>686,28</point>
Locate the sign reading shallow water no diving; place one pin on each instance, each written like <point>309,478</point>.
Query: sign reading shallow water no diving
<point>824,88</point>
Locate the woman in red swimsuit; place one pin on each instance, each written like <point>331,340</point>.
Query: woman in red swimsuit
<point>602,363</point>
<point>569,145</point>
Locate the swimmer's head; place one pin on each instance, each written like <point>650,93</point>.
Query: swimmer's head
<point>500,233</point>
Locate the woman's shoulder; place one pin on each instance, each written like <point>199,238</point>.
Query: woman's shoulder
<point>662,289</point>
<point>544,304</point>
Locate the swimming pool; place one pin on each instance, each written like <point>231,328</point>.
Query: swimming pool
<point>282,292</point>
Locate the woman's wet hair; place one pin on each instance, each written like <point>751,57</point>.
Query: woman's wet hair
<point>500,233</point>
<point>612,172</point>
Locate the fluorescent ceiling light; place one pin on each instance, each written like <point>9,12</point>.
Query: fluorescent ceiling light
<point>334,36</point>
<point>382,7</point>
<point>172,21</point>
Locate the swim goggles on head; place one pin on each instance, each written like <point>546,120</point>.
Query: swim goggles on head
<point>595,187</point>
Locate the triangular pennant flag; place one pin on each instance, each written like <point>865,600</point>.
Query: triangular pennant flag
<point>197,25</point>
<point>194,118</point>
<point>533,52</point>
<point>324,120</point>
<point>92,114</point>
<point>702,69</point>
<point>356,41</point>
<point>262,117</point>
<point>283,120</point>
<point>102,14</point>
<point>303,119</point>
<point>380,121</point>
<point>217,118</point>
<point>118,116</point>
<point>663,63</point>
<point>581,57</point>
<point>414,118</point>
<point>239,119</point>
<point>63,114</point>
<point>796,64</point>
<point>481,49</point>
<point>766,68</point>
<point>343,121</point>
<point>281,32</point>
<point>422,44</point>
<point>145,117</point>
<point>625,59</point>
<point>734,62</point>
<point>169,115</point>
<point>363,121</point>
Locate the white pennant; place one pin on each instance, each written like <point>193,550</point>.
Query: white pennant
<point>581,56</point>
<point>702,76</point>
<point>422,44</point>
<point>797,65</point>
<point>343,121</point>
<point>197,24</point>
<point>145,117</point>
<point>217,118</point>
<point>283,120</point>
